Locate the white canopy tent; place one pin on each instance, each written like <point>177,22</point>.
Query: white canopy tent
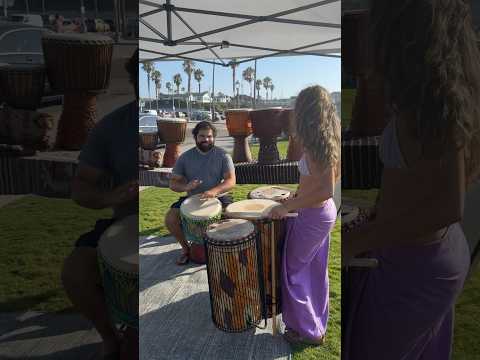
<point>216,30</point>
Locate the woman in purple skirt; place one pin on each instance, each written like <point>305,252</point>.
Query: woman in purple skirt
<point>305,297</point>
<point>426,53</point>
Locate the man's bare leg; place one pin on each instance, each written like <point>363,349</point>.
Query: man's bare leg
<point>174,225</point>
<point>81,280</point>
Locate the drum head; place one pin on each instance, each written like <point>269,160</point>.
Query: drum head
<point>171,120</point>
<point>275,193</point>
<point>80,38</point>
<point>253,209</point>
<point>230,230</point>
<point>119,245</point>
<point>238,110</point>
<point>194,208</point>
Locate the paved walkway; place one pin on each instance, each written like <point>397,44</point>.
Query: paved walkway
<point>175,315</point>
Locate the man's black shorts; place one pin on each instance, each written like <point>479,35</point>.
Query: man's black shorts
<point>225,200</point>
<point>91,238</point>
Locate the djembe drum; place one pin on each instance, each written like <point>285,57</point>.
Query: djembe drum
<point>172,133</point>
<point>275,193</point>
<point>239,126</point>
<point>295,150</point>
<point>233,275</point>
<point>118,263</point>
<point>267,125</point>
<point>256,210</point>
<point>196,215</point>
<point>78,65</point>
<point>22,85</point>
<point>148,140</point>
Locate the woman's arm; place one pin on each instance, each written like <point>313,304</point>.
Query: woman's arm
<point>415,203</point>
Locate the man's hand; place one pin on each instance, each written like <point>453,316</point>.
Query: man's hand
<point>192,185</point>
<point>208,195</point>
<point>123,193</point>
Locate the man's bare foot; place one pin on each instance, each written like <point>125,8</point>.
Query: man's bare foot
<point>183,259</point>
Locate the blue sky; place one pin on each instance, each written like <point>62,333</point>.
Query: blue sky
<point>289,75</point>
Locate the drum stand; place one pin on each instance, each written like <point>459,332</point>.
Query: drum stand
<point>77,119</point>
<point>268,152</point>
<point>172,152</point>
<point>274,282</point>
<point>241,150</point>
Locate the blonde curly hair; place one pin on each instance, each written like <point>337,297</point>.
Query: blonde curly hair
<point>318,127</point>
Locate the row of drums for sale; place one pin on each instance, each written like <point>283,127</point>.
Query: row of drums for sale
<point>77,66</point>
<point>266,124</point>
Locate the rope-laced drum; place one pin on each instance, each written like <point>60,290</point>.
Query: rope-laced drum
<point>78,65</point>
<point>267,125</point>
<point>233,276</point>
<point>239,126</point>
<point>196,215</point>
<point>172,133</point>
<point>118,263</point>
<point>256,211</point>
<point>22,85</point>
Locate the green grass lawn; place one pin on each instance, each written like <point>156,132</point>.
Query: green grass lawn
<point>467,319</point>
<point>37,234</point>
<point>281,144</point>
<point>155,202</point>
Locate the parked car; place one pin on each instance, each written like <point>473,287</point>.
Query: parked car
<point>148,124</point>
<point>22,44</point>
<point>28,19</point>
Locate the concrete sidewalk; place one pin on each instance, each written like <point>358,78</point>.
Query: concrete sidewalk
<point>175,315</point>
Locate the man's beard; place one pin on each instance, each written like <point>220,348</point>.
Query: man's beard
<point>205,146</point>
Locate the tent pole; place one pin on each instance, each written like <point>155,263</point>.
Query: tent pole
<point>213,94</point>
<point>255,86</point>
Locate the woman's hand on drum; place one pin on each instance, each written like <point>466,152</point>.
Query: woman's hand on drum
<point>192,185</point>
<point>278,212</point>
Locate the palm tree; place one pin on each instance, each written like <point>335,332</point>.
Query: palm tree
<point>148,68</point>
<point>177,80</point>
<point>248,76</point>
<point>266,84</point>
<point>271,90</point>
<point>258,86</point>
<point>168,85</point>
<point>157,78</point>
<point>189,68</point>
<point>198,74</point>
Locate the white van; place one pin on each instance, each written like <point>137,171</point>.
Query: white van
<point>30,19</point>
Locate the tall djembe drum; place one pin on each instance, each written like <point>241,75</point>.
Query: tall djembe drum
<point>172,133</point>
<point>267,126</point>
<point>295,150</point>
<point>21,89</point>
<point>79,66</point>
<point>239,127</point>
<point>22,85</point>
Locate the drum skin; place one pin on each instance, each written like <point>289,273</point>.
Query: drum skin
<point>235,295</point>
<point>78,62</point>
<point>275,193</point>
<point>238,122</point>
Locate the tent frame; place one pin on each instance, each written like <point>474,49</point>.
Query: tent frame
<point>168,40</point>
